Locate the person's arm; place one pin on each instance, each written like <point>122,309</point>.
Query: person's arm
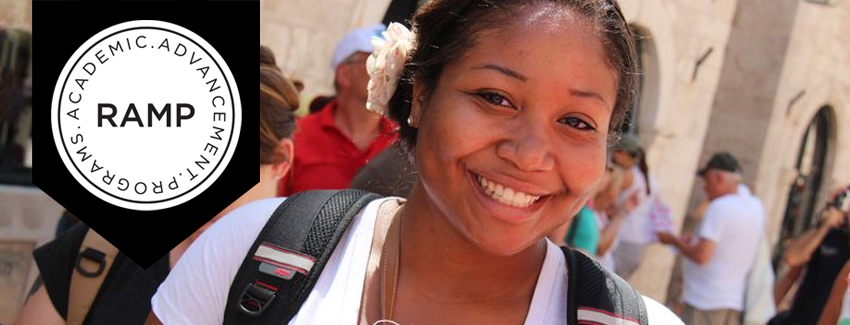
<point>627,180</point>
<point>618,214</point>
<point>785,283</point>
<point>800,250</point>
<point>700,253</point>
<point>832,310</point>
<point>152,320</point>
<point>39,310</point>
<point>609,233</point>
<point>710,232</point>
<point>711,229</point>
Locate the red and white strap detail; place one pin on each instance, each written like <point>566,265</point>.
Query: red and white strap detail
<point>282,257</point>
<point>596,316</point>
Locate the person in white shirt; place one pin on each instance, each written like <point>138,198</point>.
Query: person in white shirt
<point>507,107</point>
<point>634,234</point>
<point>719,257</point>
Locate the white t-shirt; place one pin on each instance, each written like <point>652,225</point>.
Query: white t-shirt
<point>734,223</point>
<point>196,290</point>
<point>635,228</point>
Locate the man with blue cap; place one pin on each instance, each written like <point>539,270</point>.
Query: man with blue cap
<point>333,144</point>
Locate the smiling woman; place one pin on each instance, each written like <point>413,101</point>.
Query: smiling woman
<point>526,121</point>
<point>508,108</point>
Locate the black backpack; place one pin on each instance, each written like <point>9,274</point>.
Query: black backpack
<point>286,259</point>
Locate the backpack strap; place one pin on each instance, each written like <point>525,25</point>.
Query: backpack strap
<point>596,295</point>
<point>90,269</point>
<point>286,259</point>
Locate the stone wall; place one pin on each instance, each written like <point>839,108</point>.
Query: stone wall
<point>817,63</point>
<point>16,14</point>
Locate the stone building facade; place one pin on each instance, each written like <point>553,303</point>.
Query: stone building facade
<point>16,14</point>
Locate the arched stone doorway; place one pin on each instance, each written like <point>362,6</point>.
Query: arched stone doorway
<point>641,116</point>
<point>805,191</point>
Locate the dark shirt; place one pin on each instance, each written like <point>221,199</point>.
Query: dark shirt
<point>124,297</point>
<point>827,260</point>
<point>390,173</point>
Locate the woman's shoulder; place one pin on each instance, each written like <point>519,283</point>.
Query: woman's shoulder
<point>245,223</point>
<point>253,208</point>
<point>236,232</point>
<point>240,226</point>
<point>190,297</point>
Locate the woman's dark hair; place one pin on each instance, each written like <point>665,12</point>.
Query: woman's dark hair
<point>640,160</point>
<point>319,103</point>
<point>446,29</point>
<point>266,56</point>
<point>278,100</point>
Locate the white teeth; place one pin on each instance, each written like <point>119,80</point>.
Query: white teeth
<point>520,198</point>
<point>506,195</point>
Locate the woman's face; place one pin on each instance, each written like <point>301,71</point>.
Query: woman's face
<point>512,140</point>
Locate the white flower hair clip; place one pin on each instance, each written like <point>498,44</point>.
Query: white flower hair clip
<point>386,64</point>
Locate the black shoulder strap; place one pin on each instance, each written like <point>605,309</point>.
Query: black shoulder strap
<point>289,254</point>
<point>596,295</point>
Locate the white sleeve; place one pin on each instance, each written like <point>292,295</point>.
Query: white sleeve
<point>195,291</point>
<point>712,223</point>
<point>658,314</point>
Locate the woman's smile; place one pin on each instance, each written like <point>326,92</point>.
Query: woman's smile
<point>507,202</point>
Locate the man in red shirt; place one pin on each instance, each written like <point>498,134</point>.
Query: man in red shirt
<point>333,144</point>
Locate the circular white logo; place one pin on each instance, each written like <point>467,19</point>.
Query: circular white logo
<point>146,115</point>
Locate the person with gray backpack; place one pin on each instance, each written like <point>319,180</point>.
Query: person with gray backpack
<point>86,280</point>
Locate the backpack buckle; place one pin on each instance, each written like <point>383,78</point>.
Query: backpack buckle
<point>95,256</point>
<point>254,299</point>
